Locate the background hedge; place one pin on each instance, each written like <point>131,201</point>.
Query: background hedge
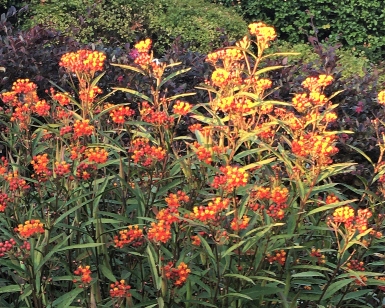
<point>358,24</point>
<point>115,22</point>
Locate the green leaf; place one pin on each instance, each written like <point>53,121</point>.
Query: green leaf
<point>335,287</point>
<point>238,276</point>
<point>107,273</point>
<point>232,248</point>
<point>136,93</point>
<point>308,274</point>
<point>237,295</point>
<point>129,67</point>
<point>66,299</point>
<point>172,75</point>
<point>81,246</point>
<point>10,289</point>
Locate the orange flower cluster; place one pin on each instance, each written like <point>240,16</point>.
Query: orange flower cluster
<point>131,236</point>
<point>40,163</point>
<point>84,171</point>
<point>178,275</point>
<point>15,181</point>
<point>88,95</point>
<point>82,128</point>
<point>235,105</point>
<point>202,153</point>
<point>195,240</point>
<point>120,289</point>
<point>211,211</point>
<point>145,154</point>
<point>30,228</point>
<point>316,253</point>
<point>352,222</point>
<point>62,98</point>
<point>158,118</point>
<point>357,266</point>
<point>316,84</point>
<point>331,199</point>
<point>160,231</point>
<point>265,130</point>
<point>4,199</point>
<point>62,168</point>
<point>232,178</point>
<point>143,46</point>
<point>381,97</point>
<point>83,61</point>
<point>176,200</point>
<point>279,256</point>
<point>317,147</point>
<point>220,77</point>
<point>264,33</point>
<point>120,114</point>
<point>85,273</point>
<point>228,55</point>
<point>240,224</point>
<point>181,108</point>
<point>97,155</point>
<point>6,246</point>
<point>3,165</point>
<point>24,86</point>
<point>42,108</point>
<point>144,58</point>
<point>382,279</point>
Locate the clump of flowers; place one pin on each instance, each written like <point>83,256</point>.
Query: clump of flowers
<point>346,215</point>
<point>40,165</point>
<point>159,231</point>
<point>279,256</point>
<point>181,108</point>
<point>85,275</point>
<point>316,253</point>
<point>120,114</point>
<point>4,199</point>
<point>6,246</point>
<point>240,224</point>
<point>232,178</point>
<point>120,289</point>
<point>356,265</point>
<point>30,228</point>
<point>97,155</point>
<point>83,61</point>
<point>131,236</point>
<point>211,211</point>
<point>82,128</point>
<point>177,274</point>
<point>145,154</point>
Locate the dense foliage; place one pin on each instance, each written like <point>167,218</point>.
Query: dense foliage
<point>122,21</point>
<point>358,24</point>
<point>236,199</point>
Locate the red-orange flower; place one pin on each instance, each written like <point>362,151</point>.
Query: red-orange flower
<point>83,61</point>
<point>82,128</point>
<point>120,289</point>
<point>30,228</point>
<point>181,108</point>
<point>40,165</point>
<point>85,273</point>
<point>130,236</point>
<point>97,155</point>
<point>159,232</point>
<point>178,275</point>
<point>232,178</point>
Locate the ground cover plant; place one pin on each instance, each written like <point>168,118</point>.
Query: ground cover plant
<point>111,205</point>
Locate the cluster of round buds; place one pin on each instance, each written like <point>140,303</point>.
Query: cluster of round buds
<point>40,165</point>
<point>82,128</point>
<point>227,55</point>
<point>4,199</point>
<point>316,253</point>
<point>143,46</point>
<point>211,211</point>
<point>97,155</point>
<point>177,274</point>
<point>176,200</point>
<point>202,153</point>
<point>85,171</point>
<point>62,168</point>
<point>85,273</point>
<point>15,182</point>
<point>235,104</point>
<point>6,246</point>
<point>331,198</point>
<point>344,214</point>
<point>381,279</point>
<point>357,266</point>
<point>159,232</point>
<point>120,289</point>
<point>157,118</point>
<point>279,256</point>
<point>30,228</point>
<point>195,240</point>
<point>146,154</point>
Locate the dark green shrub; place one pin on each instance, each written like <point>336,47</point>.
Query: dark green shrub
<point>123,21</point>
<point>357,23</point>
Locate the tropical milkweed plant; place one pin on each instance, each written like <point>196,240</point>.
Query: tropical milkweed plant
<point>106,205</point>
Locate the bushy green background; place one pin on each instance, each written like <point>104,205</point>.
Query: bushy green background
<point>121,21</point>
<point>359,24</point>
